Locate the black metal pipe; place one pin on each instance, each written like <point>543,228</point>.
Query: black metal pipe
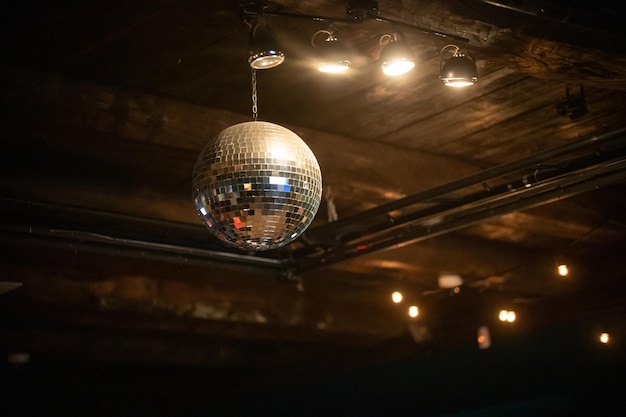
<point>481,177</point>
<point>559,188</point>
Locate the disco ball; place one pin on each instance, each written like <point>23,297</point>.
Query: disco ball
<point>257,185</point>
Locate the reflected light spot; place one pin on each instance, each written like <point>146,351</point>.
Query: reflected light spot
<point>396,297</point>
<point>481,339</point>
<point>604,338</point>
<point>278,180</point>
<point>413,311</point>
<point>279,152</point>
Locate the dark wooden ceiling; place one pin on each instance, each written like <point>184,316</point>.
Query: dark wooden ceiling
<point>106,106</point>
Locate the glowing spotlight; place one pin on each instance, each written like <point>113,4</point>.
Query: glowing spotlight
<point>563,270</point>
<point>414,311</point>
<point>604,338</point>
<point>396,297</point>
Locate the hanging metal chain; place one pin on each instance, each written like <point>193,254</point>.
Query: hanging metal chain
<point>255,112</point>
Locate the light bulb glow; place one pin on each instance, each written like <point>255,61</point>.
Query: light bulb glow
<point>604,338</point>
<point>502,315</point>
<point>334,67</point>
<point>507,315</point>
<point>563,270</point>
<point>397,67</point>
<point>511,316</point>
<point>483,338</point>
<point>396,297</point>
<point>458,83</point>
<point>414,311</point>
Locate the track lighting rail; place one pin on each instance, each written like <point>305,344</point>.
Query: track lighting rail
<point>258,10</point>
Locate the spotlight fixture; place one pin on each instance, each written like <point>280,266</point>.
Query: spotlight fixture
<point>457,70</point>
<point>333,55</point>
<point>397,56</point>
<point>264,50</point>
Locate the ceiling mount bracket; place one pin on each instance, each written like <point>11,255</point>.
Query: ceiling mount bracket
<point>361,9</point>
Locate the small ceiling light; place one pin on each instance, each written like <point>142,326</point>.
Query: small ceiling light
<point>511,316</point>
<point>507,315</point>
<point>333,55</point>
<point>414,311</point>
<point>562,269</point>
<point>484,337</point>
<point>447,280</point>
<point>502,315</point>
<point>265,52</point>
<point>396,57</point>
<point>604,338</point>
<point>459,69</point>
<point>396,297</point>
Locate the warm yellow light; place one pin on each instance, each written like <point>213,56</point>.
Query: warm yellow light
<point>334,67</point>
<point>396,297</point>
<point>511,316</point>
<point>413,311</point>
<point>507,315</point>
<point>503,315</point>
<point>604,338</point>
<point>563,270</point>
<point>481,339</point>
<point>459,83</point>
<point>397,67</point>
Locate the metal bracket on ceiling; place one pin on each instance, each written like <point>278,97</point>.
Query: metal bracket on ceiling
<point>357,11</point>
<point>361,9</point>
<point>573,106</point>
<point>252,7</point>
